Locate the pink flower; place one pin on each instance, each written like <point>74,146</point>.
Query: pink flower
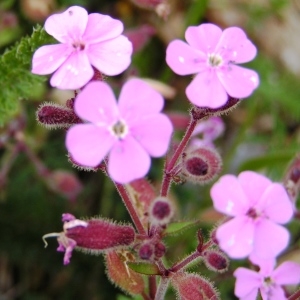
<point>86,41</point>
<point>267,280</point>
<point>212,54</point>
<point>257,206</point>
<point>130,131</point>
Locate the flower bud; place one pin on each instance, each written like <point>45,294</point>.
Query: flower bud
<point>54,116</point>
<point>121,275</point>
<point>146,251</point>
<point>292,179</point>
<point>216,261</point>
<point>161,211</point>
<point>192,287</point>
<point>201,165</point>
<point>160,250</point>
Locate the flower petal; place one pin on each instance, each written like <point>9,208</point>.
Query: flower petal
<point>253,185</point>
<point>137,99</point>
<point>247,283</point>
<point>238,82</point>
<point>234,46</point>
<point>185,60</point>
<point>204,37</point>
<point>74,73</point>
<point>153,133</point>
<point>236,237</point>
<point>228,196</point>
<point>206,90</point>
<point>88,144</point>
<point>128,161</point>
<point>269,239</point>
<point>49,58</point>
<point>101,27</point>
<point>276,204</point>
<point>287,273</point>
<point>111,57</point>
<point>97,104</point>
<point>272,293</point>
<point>69,26</point>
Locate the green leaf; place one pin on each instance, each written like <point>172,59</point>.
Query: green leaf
<point>174,228</point>
<point>144,268</point>
<point>17,82</point>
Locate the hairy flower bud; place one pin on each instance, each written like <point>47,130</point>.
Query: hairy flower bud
<point>146,251</point>
<point>160,250</point>
<point>54,116</point>
<point>92,236</point>
<point>292,178</point>
<point>191,287</point>
<point>161,211</point>
<point>216,261</point>
<point>121,275</point>
<point>201,165</point>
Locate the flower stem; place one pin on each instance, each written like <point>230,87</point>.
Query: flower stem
<point>170,165</point>
<point>152,286</point>
<point>130,208</point>
<point>162,288</point>
<point>182,264</point>
<point>295,296</point>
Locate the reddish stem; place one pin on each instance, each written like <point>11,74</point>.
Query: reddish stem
<point>295,296</point>
<point>182,264</point>
<point>130,208</point>
<point>170,165</point>
<point>152,286</point>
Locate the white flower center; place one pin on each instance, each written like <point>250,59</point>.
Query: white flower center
<point>215,60</point>
<point>119,129</point>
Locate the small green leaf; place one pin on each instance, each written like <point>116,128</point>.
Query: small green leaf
<point>174,228</point>
<point>144,268</point>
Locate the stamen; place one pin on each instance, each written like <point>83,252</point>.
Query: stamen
<point>48,235</point>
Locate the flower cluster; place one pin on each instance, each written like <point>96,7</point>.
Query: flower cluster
<point>120,137</point>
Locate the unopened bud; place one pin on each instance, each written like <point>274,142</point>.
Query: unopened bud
<point>160,250</point>
<point>216,261</point>
<point>192,287</point>
<point>121,275</point>
<point>161,211</point>
<point>54,116</point>
<point>292,179</point>
<point>201,165</point>
<point>64,183</point>
<point>146,251</point>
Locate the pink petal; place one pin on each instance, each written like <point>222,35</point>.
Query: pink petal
<point>69,26</point>
<point>247,283</point>
<point>101,27</point>
<point>276,204</point>
<point>287,273</point>
<point>49,58</point>
<point>270,239</point>
<point>204,37</point>
<point>97,104</point>
<point>138,99</point>
<point>254,185</point>
<point>128,161</point>
<point>236,237</point>
<point>74,73</point>
<point>184,59</point>
<point>88,144</point>
<point>153,133</point>
<point>234,46</point>
<point>273,293</point>
<point>206,90</point>
<point>228,196</point>
<point>238,82</point>
<point>111,57</point>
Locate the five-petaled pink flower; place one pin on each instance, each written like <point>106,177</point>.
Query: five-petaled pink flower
<point>130,131</point>
<point>257,206</point>
<point>212,54</point>
<point>267,280</point>
<point>86,41</point>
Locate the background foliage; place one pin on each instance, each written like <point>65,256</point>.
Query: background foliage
<point>262,134</point>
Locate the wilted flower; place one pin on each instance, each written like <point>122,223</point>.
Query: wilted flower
<point>86,41</point>
<point>212,54</point>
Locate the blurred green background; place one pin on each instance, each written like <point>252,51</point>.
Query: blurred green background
<point>38,184</point>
